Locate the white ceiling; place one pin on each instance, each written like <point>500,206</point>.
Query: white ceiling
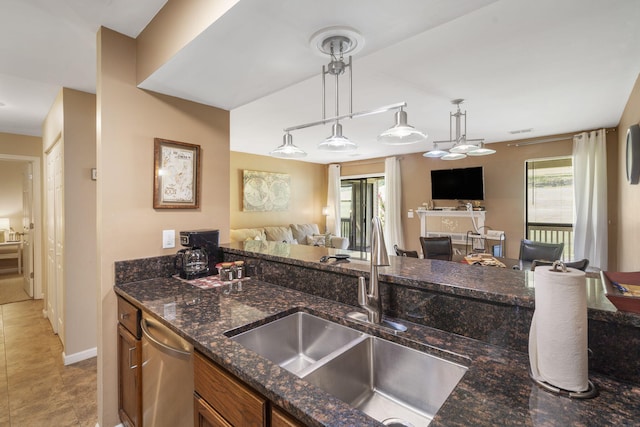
<point>553,66</point>
<point>49,44</point>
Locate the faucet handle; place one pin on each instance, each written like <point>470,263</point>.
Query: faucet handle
<point>362,291</point>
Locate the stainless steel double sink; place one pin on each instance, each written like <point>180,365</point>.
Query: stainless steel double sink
<point>396,385</point>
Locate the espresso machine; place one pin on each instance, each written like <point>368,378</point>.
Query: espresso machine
<point>201,255</point>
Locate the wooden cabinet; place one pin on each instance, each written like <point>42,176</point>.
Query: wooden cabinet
<point>222,400</point>
<point>279,418</point>
<point>206,416</point>
<point>238,404</point>
<point>129,365</point>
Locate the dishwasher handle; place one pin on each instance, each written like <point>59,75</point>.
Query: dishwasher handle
<point>166,348</point>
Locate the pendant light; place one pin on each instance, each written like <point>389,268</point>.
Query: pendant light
<point>482,151</point>
<point>336,42</point>
<point>462,147</point>
<point>287,150</point>
<point>401,133</point>
<point>337,142</point>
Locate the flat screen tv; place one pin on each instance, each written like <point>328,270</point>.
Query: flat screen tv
<point>457,184</point>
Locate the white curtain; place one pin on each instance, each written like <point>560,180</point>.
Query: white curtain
<point>590,198</point>
<point>393,206</point>
<point>333,200</point>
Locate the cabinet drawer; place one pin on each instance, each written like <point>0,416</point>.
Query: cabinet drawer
<point>129,316</point>
<point>279,418</point>
<point>236,402</point>
<point>206,416</point>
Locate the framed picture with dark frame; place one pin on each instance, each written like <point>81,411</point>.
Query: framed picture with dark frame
<point>176,179</point>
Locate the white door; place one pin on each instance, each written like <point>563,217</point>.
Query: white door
<point>27,228</point>
<point>55,238</point>
<point>58,216</point>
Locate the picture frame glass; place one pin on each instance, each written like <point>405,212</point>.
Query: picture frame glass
<point>176,177</point>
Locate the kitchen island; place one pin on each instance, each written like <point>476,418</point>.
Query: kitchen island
<point>496,389</point>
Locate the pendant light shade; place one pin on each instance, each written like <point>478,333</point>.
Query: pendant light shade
<point>463,148</point>
<point>401,133</point>
<point>287,150</point>
<point>453,156</point>
<point>435,153</point>
<point>482,151</point>
<point>337,142</point>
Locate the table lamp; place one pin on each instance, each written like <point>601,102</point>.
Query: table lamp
<point>5,225</point>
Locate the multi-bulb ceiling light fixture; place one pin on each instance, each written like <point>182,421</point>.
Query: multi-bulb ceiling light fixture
<point>336,42</point>
<point>462,147</point>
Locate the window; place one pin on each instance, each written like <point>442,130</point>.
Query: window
<point>360,199</point>
<point>549,212</point>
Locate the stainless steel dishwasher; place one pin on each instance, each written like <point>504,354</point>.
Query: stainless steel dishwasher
<point>167,376</point>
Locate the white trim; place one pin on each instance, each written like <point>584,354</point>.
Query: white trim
<point>80,356</point>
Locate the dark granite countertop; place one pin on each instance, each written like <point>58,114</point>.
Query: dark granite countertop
<point>500,285</point>
<point>496,390</point>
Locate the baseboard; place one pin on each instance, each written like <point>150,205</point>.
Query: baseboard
<point>77,357</point>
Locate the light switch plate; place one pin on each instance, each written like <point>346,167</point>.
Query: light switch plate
<point>168,239</point>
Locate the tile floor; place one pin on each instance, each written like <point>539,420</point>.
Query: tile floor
<point>36,389</point>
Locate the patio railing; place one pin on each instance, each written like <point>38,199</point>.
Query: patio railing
<point>553,233</point>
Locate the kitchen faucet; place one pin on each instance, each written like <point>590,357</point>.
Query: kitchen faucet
<point>370,299</point>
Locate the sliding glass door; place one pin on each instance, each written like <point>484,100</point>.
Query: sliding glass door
<point>360,200</point>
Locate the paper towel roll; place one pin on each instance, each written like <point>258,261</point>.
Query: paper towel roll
<point>558,334</point>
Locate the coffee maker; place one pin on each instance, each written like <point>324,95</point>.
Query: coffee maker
<point>201,256</point>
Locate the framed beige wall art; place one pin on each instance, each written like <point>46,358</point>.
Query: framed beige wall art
<point>265,191</point>
<point>176,181</point>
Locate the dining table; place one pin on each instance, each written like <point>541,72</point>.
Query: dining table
<point>501,262</point>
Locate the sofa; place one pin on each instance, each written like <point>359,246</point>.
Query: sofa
<point>304,234</point>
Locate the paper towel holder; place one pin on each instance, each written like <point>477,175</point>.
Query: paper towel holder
<point>589,393</point>
<point>560,264</point>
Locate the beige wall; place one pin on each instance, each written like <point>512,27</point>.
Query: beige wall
<point>11,179</point>
<point>308,191</point>
<point>628,227</point>
<point>12,145</point>
<point>128,226</point>
<point>20,145</point>
<point>504,184</point>
<point>71,122</point>
<point>79,136</point>
<point>11,192</point>
<point>173,27</point>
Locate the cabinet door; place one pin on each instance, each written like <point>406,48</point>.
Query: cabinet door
<point>279,418</point>
<point>240,405</point>
<point>206,416</point>
<point>129,378</point>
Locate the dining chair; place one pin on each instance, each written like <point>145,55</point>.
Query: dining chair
<point>437,247</point>
<point>531,251</point>
<point>578,265</point>
<point>402,252</point>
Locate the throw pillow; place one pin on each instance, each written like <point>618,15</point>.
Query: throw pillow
<point>316,240</point>
<point>243,234</point>
<point>301,231</point>
<point>279,234</point>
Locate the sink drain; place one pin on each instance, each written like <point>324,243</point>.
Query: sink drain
<point>396,422</point>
